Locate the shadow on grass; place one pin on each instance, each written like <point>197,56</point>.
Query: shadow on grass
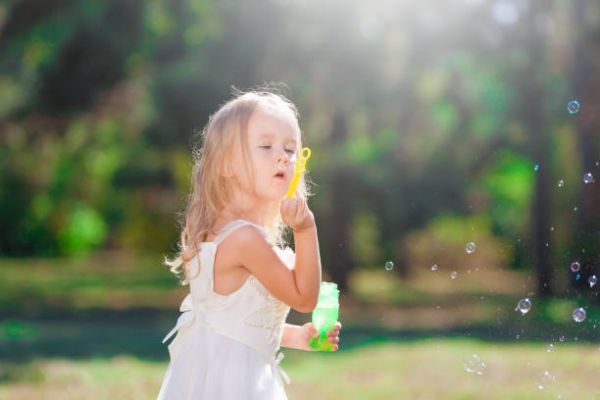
<point>139,332</point>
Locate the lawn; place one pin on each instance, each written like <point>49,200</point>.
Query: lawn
<point>92,328</point>
<point>422,369</point>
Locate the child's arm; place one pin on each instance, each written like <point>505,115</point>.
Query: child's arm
<point>297,337</point>
<point>297,287</point>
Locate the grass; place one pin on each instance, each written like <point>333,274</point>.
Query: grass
<point>426,369</point>
<point>106,281</point>
<point>92,329</point>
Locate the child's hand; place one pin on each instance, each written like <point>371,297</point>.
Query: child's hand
<point>309,331</point>
<point>296,214</point>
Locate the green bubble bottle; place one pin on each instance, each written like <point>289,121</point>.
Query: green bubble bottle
<point>325,315</point>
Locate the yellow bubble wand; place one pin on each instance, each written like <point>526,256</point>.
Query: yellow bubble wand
<point>298,171</point>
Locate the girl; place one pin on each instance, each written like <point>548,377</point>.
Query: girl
<point>242,283</point>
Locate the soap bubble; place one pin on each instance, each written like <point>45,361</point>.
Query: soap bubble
<point>579,314</point>
<point>592,280</point>
<point>550,348</point>
<point>544,379</point>
<point>575,266</point>
<point>470,248</point>
<point>588,178</point>
<point>453,274</point>
<point>389,266</point>
<point>434,267</point>
<point>474,365</point>
<point>561,183</point>
<point>536,167</point>
<point>573,107</point>
<point>524,306</point>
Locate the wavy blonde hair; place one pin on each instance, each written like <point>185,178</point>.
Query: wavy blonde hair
<point>212,190</point>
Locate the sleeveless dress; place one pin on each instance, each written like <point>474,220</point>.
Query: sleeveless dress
<point>226,345</point>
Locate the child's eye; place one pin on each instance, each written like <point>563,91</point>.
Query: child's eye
<point>290,151</point>
<point>266,146</point>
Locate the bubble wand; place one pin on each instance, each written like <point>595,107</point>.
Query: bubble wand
<point>298,171</point>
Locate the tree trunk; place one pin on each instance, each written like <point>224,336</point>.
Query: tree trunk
<point>586,90</point>
<point>537,127</point>
<point>340,264</point>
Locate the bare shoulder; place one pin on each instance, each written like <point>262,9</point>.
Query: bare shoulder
<point>245,244</point>
<point>248,234</point>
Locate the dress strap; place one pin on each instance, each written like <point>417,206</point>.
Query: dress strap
<point>230,227</point>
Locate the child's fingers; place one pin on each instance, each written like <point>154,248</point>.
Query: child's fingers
<point>285,206</point>
<point>288,209</point>
<point>333,335</point>
<point>297,210</point>
<point>304,209</point>
<point>312,330</point>
<point>336,328</point>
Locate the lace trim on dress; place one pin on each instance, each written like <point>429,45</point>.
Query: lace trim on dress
<point>270,317</point>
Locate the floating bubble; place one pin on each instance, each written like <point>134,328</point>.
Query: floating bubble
<point>550,348</point>
<point>561,183</point>
<point>575,266</point>
<point>579,314</point>
<point>524,306</point>
<point>453,274</point>
<point>551,229</point>
<point>536,167</point>
<point>544,379</point>
<point>434,267</point>
<point>592,280</point>
<point>578,277</point>
<point>389,266</point>
<point>573,107</point>
<point>474,365</point>
<point>588,178</point>
<point>470,248</point>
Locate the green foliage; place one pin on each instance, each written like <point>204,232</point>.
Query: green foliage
<point>509,183</point>
<point>444,240</point>
<point>423,106</point>
<point>84,230</point>
<point>365,239</point>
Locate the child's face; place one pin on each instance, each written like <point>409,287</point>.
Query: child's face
<point>272,144</point>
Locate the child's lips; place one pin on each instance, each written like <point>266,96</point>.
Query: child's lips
<point>280,178</point>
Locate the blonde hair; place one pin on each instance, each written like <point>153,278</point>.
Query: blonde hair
<point>211,190</point>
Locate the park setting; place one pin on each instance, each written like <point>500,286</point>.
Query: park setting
<point>454,178</point>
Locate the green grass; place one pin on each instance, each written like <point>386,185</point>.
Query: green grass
<point>429,369</point>
<point>105,281</point>
<point>91,328</point>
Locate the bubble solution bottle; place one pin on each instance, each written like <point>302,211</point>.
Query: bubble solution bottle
<point>325,315</point>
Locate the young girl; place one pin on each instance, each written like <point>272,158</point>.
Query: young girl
<point>242,283</point>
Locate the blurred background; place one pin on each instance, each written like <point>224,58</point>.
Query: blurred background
<point>456,168</point>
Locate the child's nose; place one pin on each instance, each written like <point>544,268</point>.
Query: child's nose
<point>283,158</point>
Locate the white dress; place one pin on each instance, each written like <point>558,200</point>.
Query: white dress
<point>226,346</point>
